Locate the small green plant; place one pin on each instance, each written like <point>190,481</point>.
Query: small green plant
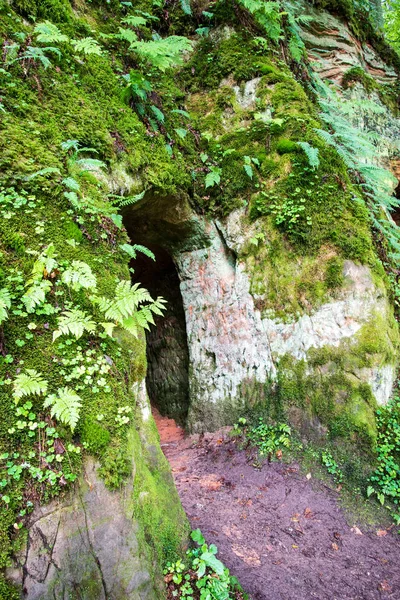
<point>201,575</point>
<point>385,480</point>
<point>269,438</point>
<point>332,466</point>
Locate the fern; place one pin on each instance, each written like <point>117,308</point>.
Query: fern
<point>48,33</point>
<point>126,300</point>
<point>127,35</point>
<point>163,53</point>
<point>267,14</point>
<point>29,383</point>
<point>87,46</point>
<point>185,5</point>
<point>65,406</point>
<point>38,54</point>
<point>133,250</point>
<point>127,200</point>
<point>5,303</point>
<point>46,171</point>
<point>358,148</point>
<point>79,275</point>
<point>36,295</point>
<point>311,153</point>
<point>44,265</point>
<point>134,21</point>
<point>74,322</point>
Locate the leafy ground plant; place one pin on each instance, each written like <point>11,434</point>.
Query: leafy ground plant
<point>201,576</point>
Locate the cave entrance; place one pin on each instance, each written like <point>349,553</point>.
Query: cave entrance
<point>167,348</point>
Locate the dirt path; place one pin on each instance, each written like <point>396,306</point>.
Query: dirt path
<point>282,535</point>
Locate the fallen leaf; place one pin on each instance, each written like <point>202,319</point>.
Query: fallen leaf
<point>335,546</point>
<point>279,454</point>
<point>247,555</point>
<point>381,532</point>
<point>307,513</point>
<point>308,476</point>
<point>384,586</point>
<point>294,546</point>
<point>356,530</point>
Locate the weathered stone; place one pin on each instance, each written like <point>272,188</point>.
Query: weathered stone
<point>84,546</point>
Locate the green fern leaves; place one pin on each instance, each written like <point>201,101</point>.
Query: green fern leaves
<point>125,310</point>
<point>311,153</point>
<point>87,46</point>
<point>48,33</point>
<point>163,53</point>
<point>132,250</point>
<point>29,383</point>
<point>126,301</point>
<point>65,406</point>
<point>79,275</point>
<point>213,177</point>
<point>5,303</point>
<point>36,295</point>
<point>74,322</point>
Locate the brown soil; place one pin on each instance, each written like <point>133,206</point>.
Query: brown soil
<point>284,536</point>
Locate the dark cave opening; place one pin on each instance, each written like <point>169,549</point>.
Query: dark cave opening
<point>167,349</point>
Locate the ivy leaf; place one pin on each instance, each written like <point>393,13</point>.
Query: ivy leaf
<point>249,170</point>
<point>197,537</point>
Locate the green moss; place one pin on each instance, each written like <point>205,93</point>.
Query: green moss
<point>7,591</point>
<point>334,277</point>
<point>95,437</point>
<point>164,527</point>
<point>286,147</point>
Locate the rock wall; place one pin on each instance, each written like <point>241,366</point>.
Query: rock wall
<point>95,544</point>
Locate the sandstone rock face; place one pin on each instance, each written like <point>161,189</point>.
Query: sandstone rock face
<point>84,546</point>
<point>234,351</point>
<point>333,49</point>
<point>228,347</point>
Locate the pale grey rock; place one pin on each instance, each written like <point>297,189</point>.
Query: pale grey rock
<point>84,547</point>
<point>246,95</point>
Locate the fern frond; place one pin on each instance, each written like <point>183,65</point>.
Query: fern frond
<point>311,153</point>
<point>79,275</point>
<point>163,53</point>
<point>5,303</point>
<point>65,406</point>
<point>132,250</point>
<point>74,322</point>
<point>125,302</point>
<point>48,33</point>
<point>36,295</point>
<point>29,383</point>
<point>87,46</point>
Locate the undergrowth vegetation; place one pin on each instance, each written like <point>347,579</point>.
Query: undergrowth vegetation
<point>201,575</point>
<point>102,104</point>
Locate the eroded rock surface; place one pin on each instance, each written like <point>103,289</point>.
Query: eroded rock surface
<point>84,546</point>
